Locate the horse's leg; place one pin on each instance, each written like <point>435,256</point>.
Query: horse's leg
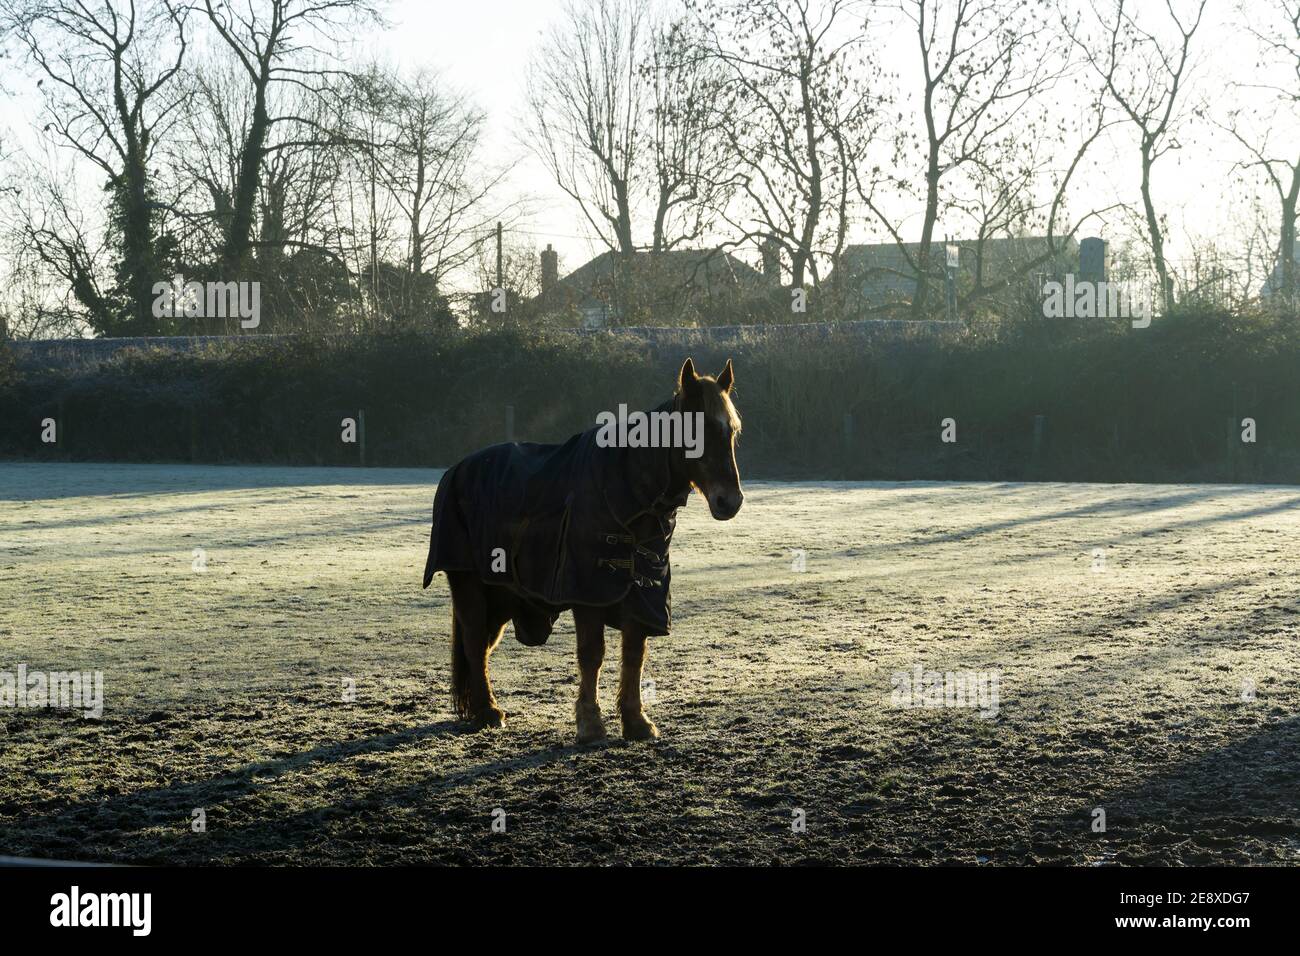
<point>636,726</point>
<point>589,624</point>
<point>480,616</point>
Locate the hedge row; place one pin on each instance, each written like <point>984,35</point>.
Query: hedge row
<point>1052,400</point>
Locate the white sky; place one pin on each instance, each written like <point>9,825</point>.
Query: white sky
<point>482,47</point>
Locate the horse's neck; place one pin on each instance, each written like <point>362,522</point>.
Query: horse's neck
<point>678,481</point>
<point>647,467</point>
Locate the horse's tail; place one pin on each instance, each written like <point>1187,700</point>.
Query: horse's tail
<point>459,669</point>
<point>440,503</point>
<point>428,563</point>
<point>432,559</point>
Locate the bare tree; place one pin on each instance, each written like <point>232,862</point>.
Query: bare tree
<point>521,278</point>
<point>1145,77</point>
<point>799,111</point>
<point>204,153</point>
<point>55,258</point>
<point>984,66</point>
<point>291,234</point>
<point>273,44</point>
<point>431,164</point>
<point>620,111</point>
<point>107,72</point>
<point>1253,126</point>
<point>587,100</point>
<point>297,178</point>
<point>691,160</point>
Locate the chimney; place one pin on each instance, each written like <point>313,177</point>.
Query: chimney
<point>771,252</point>
<point>550,268</point>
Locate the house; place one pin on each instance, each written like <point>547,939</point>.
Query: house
<point>675,287</point>
<point>878,275</point>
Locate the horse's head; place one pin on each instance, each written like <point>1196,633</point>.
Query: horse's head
<point>714,471</point>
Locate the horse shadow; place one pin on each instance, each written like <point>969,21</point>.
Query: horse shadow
<point>152,823</point>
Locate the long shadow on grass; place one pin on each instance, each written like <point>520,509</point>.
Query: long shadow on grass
<point>1093,538</point>
<point>1125,507</point>
<point>1240,789</point>
<point>944,760</point>
<point>91,479</point>
<point>141,515</point>
<point>136,825</point>
<point>1236,801</point>
<point>182,797</point>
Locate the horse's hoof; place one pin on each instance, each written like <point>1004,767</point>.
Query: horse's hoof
<point>639,727</point>
<point>591,734</point>
<point>493,717</point>
<point>591,727</point>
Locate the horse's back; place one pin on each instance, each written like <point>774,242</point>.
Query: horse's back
<point>479,502</point>
<point>547,522</point>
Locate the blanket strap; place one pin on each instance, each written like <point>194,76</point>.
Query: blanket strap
<point>627,564</point>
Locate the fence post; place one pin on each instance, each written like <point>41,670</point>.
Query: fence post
<point>510,423</point>
<point>1232,444</point>
<point>361,436</point>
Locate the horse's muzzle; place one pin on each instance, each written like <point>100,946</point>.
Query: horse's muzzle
<point>724,506</point>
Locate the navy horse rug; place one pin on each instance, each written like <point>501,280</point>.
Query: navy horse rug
<point>562,525</point>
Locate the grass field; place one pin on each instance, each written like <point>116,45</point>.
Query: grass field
<point>1157,679</point>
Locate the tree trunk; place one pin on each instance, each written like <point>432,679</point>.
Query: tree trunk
<point>920,299</point>
<point>138,258</point>
<point>416,269</point>
<point>804,250</point>
<point>239,234</point>
<point>661,216</point>
<point>1157,238</point>
<point>1287,250</point>
<point>137,271</point>
<point>624,224</point>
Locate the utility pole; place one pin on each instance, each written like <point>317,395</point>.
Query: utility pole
<point>952,254</point>
<point>500,278</point>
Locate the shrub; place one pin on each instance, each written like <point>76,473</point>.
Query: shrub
<point>1118,404</point>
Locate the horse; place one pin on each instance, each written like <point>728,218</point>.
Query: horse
<point>525,532</point>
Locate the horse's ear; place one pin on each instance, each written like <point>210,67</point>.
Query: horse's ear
<point>726,378</point>
<point>687,377</point>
